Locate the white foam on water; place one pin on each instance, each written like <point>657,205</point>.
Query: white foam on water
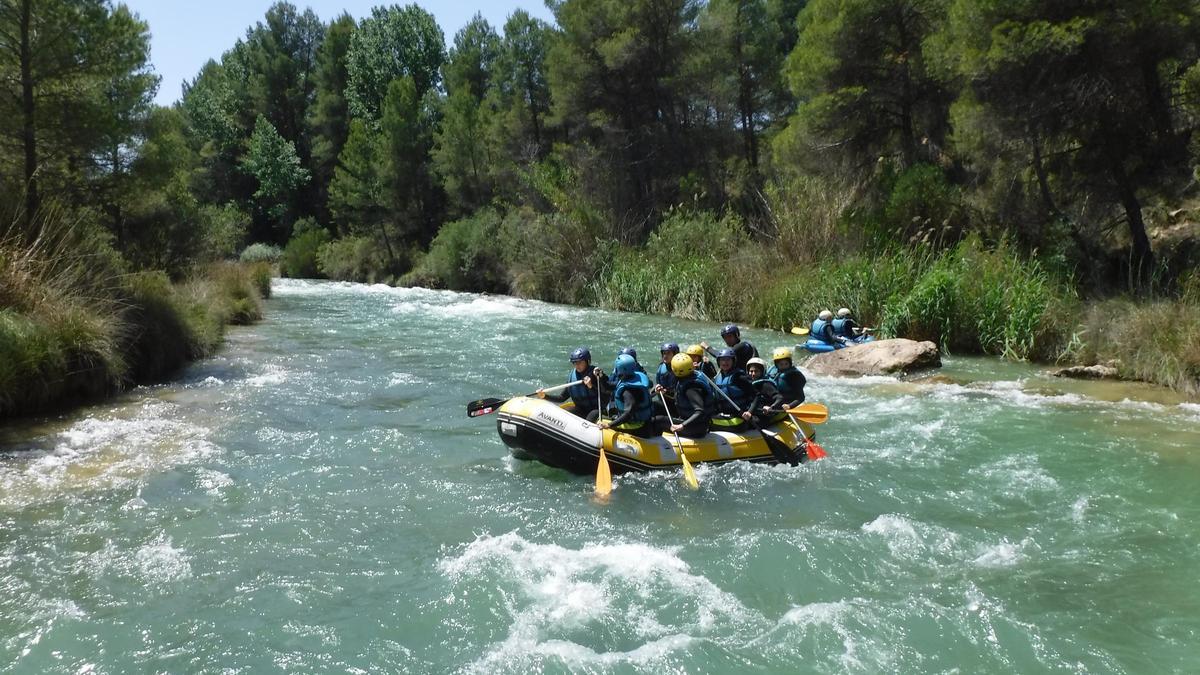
<point>397,379</point>
<point>868,637</point>
<point>159,562</point>
<point>1079,509</point>
<point>643,593</point>
<point>212,481</point>
<point>1004,554</point>
<point>271,375</point>
<point>1019,473</point>
<point>104,451</point>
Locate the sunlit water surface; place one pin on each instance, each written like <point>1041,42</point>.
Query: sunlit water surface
<point>314,499</point>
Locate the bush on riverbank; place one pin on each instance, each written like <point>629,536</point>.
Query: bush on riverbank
<point>75,327</point>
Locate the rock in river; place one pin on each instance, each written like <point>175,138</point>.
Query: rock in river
<point>1096,372</point>
<point>882,357</point>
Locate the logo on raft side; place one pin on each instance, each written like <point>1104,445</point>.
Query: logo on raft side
<point>552,420</point>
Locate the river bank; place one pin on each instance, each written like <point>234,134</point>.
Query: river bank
<point>73,329</point>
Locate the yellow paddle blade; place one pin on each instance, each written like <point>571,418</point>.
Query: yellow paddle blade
<point>603,476</point>
<point>813,413</point>
<point>797,330</point>
<point>689,476</point>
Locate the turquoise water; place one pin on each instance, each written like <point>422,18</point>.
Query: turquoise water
<point>314,499</point>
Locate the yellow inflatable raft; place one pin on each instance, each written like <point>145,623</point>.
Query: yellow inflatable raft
<point>534,428</point>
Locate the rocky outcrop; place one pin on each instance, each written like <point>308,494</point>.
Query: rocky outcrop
<point>1096,372</point>
<point>882,357</point>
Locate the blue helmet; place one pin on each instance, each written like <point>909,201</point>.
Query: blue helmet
<point>669,347</point>
<point>730,329</point>
<point>624,366</point>
<point>726,353</point>
<point>630,351</point>
<point>581,354</point>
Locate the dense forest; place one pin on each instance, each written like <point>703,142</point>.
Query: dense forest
<point>1003,176</point>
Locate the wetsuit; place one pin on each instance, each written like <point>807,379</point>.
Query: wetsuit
<point>584,398</point>
<point>635,413</point>
<point>790,384</point>
<point>767,396</point>
<point>696,404</point>
<point>743,351</point>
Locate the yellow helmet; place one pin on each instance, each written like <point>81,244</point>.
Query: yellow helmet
<point>681,365</point>
<point>695,350</point>
<point>781,353</point>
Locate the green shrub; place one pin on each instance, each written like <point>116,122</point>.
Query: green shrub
<point>299,259</point>
<point>465,256</point>
<point>255,253</point>
<point>352,259</point>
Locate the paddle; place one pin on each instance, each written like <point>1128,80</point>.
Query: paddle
<point>603,474</point>
<point>777,447</point>
<point>797,330</point>
<point>485,406</point>
<point>813,413</point>
<point>689,476</point>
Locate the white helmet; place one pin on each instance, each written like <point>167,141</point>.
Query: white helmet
<point>825,315</point>
<point>757,362</point>
<point>843,313</point>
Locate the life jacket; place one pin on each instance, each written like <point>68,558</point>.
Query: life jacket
<point>781,383</point>
<point>643,409</point>
<point>584,398</point>
<point>774,418</point>
<point>666,378</point>
<point>727,384</point>
<point>684,404</point>
<point>839,328</point>
<point>821,330</point>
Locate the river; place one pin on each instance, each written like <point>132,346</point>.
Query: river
<point>314,499</point>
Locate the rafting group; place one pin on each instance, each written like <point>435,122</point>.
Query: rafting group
<point>828,333</point>
<point>690,396</point>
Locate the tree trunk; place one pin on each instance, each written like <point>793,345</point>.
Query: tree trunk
<point>28,110</point>
<point>745,94</point>
<point>1141,259</point>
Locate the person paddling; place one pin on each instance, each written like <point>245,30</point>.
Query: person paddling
<point>822,329</point>
<point>694,399</point>
<point>630,351</point>
<point>631,400</point>
<point>738,390</point>
<point>787,378</point>
<point>844,326</point>
<point>696,352</point>
<point>583,394</point>
<point>766,408</point>
<point>743,350</point>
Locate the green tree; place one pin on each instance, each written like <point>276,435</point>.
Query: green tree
<point>69,66</point>
<point>394,42</point>
<point>407,138</point>
<point>470,63</point>
<point>1083,86</point>
<point>329,116</point>
<point>864,84</point>
<point>272,161</point>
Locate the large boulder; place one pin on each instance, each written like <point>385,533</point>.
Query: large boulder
<point>1096,372</point>
<point>882,357</point>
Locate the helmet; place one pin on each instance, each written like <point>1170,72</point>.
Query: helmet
<point>581,354</point>
<point>781,353</point>
<point>695,350</point>
<point>825,315</point>
<point>669,347</point>
<point>624,366</point>
<point>725,354</point>
<point>730,329</point>
<point>629,351</point>
<point>757,362</point>
<point>681,365</point>
<point>843,313</point>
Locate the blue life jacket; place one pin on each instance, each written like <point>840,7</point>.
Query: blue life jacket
<point>684,404</point>
<point>584,398</point>
<point>665,377</point>
<point>643,409</point>
<point>839,328</point>
<point>727,384</point>
<point>823,331</point>
<point>789,392</point>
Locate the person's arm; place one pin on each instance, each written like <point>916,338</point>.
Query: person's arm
<point>697,400</point>
<point>769,397</point>
<point>630,401</point>
<point>743,382</point>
